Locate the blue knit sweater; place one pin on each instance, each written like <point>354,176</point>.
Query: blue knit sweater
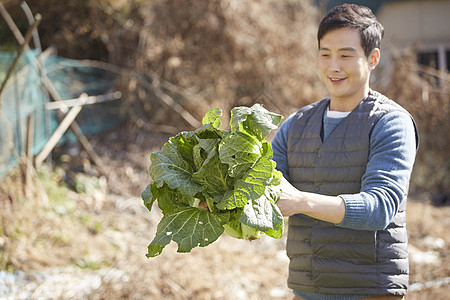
<point>384,184</point>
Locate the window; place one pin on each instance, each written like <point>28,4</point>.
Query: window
<point>436,57</point>
<point>428,59</point>
<point>447,56</point>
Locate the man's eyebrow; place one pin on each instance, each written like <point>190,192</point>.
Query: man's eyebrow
<point>340,49</point>
<point>347,49</point>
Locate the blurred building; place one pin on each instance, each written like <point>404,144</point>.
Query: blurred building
<point>422,25</point>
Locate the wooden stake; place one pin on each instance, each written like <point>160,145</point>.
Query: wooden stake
<point>15,30</point>
<point>29,155</point>
<point>169,101</point>
<point>82,100</point>
<point>22,48</point>
<point>88,148</point>
<point>57,135</point>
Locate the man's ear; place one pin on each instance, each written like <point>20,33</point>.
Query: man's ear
<point>374,58</point>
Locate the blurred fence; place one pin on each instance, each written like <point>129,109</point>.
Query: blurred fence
<point>25,96</point>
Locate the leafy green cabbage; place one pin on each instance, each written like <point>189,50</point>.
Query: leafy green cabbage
<point>231,171</point>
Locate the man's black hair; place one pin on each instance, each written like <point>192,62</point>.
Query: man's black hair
<point>354,16</point>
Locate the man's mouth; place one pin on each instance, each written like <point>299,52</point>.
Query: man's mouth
<point>336,79</point>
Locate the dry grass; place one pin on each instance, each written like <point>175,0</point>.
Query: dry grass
<point>53,219</point>
<point>104,237</point>
<point>223,52</point>
<point>427,98</point>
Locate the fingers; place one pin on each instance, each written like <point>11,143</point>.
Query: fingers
<point>203,205</point>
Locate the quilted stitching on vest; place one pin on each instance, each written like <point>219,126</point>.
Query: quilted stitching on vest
<point>326,258</point>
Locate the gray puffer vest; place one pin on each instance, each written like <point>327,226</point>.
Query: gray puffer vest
<point>325,258</point>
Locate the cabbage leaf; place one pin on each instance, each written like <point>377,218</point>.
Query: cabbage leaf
<point>231,171</point>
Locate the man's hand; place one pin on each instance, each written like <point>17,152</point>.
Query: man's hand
<point>326,208</point>
<point>290,199</point>
<point>203,205</point>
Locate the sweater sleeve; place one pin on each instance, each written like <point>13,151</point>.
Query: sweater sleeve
<point>279,146</point>
<point>386,181</point>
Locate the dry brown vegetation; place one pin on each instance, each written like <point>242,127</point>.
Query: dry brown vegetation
<point>426,97</point>
<point>91,244</point>
<point>224,53</point>
<point>72,223</point>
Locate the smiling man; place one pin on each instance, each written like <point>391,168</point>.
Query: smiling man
<point>347,162</point>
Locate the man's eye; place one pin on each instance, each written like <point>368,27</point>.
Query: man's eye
<point>325,55</point>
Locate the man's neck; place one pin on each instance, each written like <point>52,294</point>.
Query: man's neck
<point>345,104</point>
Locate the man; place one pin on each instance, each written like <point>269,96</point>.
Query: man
<point>347,161</point>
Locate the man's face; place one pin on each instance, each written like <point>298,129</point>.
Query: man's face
<point>343,66</point>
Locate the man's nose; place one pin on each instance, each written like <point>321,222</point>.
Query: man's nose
<point>334,65</point>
